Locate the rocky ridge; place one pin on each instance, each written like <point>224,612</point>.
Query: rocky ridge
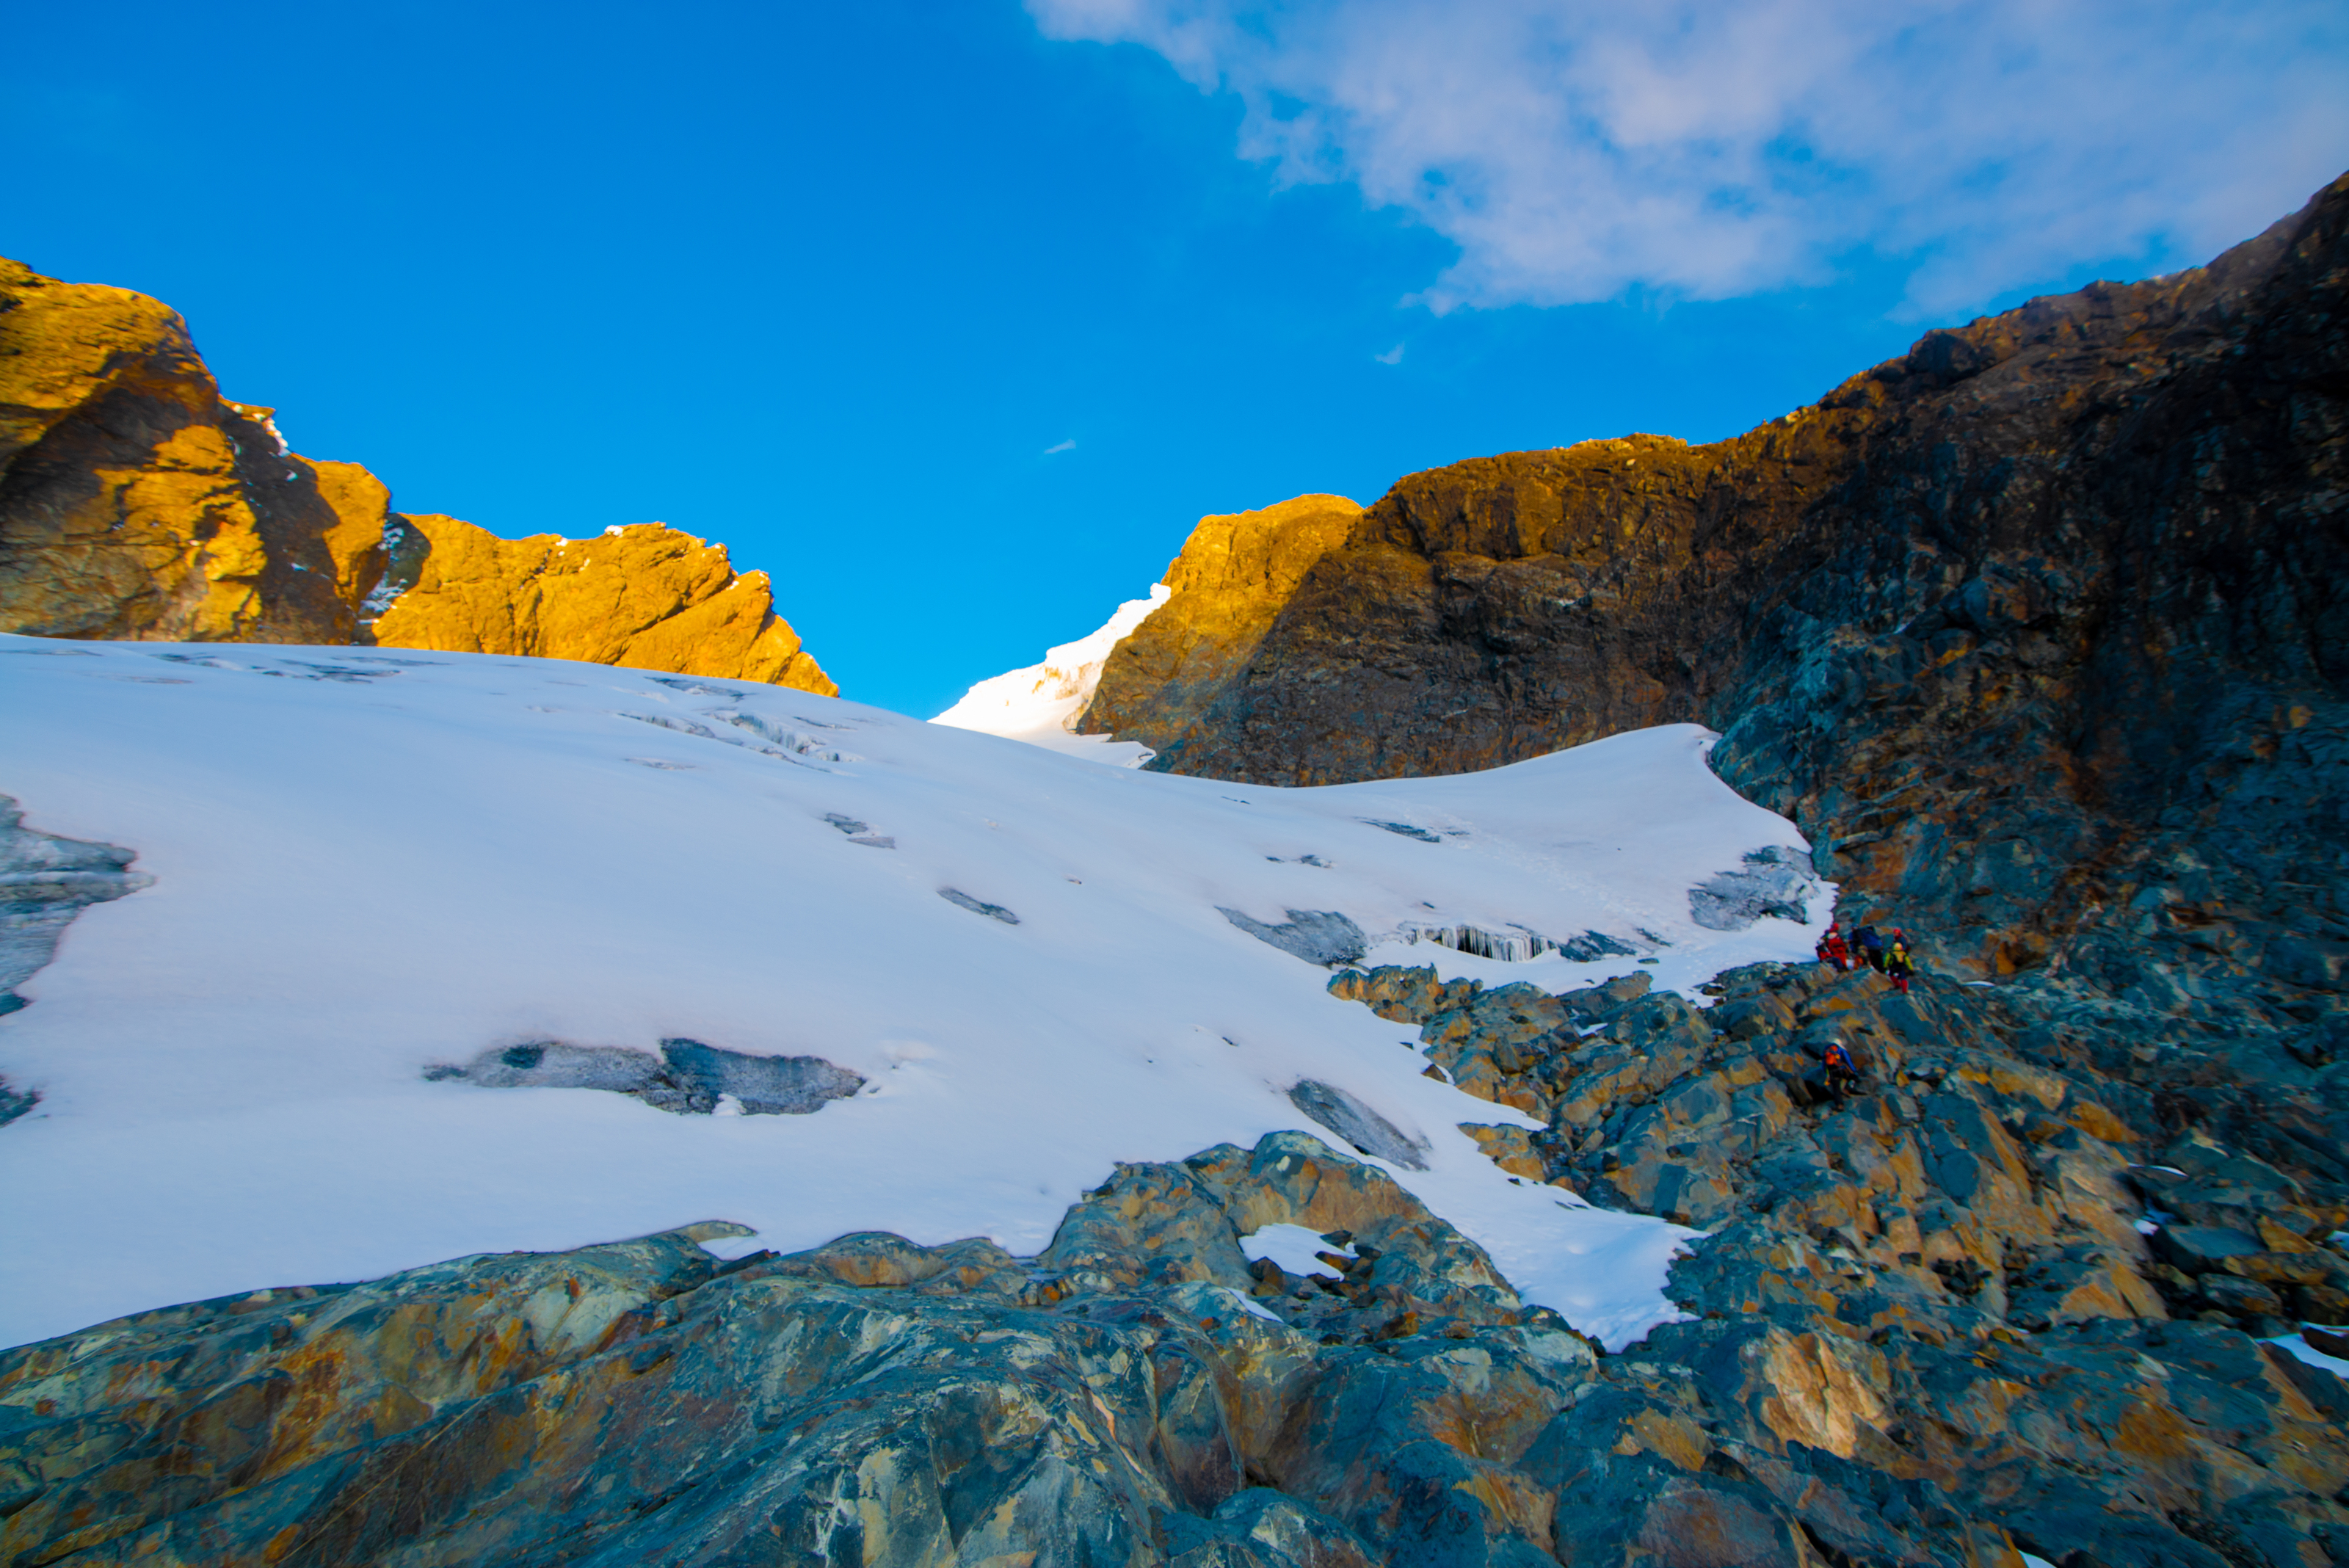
<point>136,501</point>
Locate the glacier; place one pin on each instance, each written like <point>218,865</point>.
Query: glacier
<point>366,868</point>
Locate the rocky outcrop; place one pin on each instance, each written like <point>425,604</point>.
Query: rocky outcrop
<point>135,501</point>
<point>1927,1327</point>
<point>648,597</point>
<point>44,881</point>
<point>1167,682</point>
<point>1138,1392</point>
<point>1924,1331</point>
<point>1972,1276</point>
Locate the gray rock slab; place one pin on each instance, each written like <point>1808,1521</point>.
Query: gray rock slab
<point>1316,936</point>
<point>1358,1125</point>
<point>978,905</point>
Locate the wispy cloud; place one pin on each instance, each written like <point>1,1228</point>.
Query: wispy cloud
<point>1064,446</point>
<point>1710,148</point>
<point>1392,357</point>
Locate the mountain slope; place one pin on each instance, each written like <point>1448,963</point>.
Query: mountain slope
<point>135,501</point>
<point>1108,1224</point>
<point>367,865</point>
<point>2040,632</point>
<point>2079,554</point>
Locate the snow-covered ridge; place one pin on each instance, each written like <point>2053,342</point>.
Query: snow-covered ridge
<point>369,869</point>
<point>1040,704</point>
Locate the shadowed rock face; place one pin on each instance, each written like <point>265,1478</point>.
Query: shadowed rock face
<point>135,501</point>
<point>2000,622</point>
<point>2040,633</point>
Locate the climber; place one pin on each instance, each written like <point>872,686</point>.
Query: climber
<point>1843,1074</point>
<point>1868,946</point>
<point>1833,948</point>
<point>1897,962</point>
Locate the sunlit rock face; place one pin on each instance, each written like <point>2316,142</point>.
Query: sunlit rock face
<point>136,501</point>
<point>648,597</point>
<point>1166,682</point>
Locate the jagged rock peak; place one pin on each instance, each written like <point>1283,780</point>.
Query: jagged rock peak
<point>645,597</point>
<point>138,503</point>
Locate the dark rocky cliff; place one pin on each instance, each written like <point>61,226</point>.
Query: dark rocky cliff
<point>1991,621</point>
<point>2040,632</point>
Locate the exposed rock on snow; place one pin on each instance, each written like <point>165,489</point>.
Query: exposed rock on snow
<point>1773,884</point>
<point>955,896</point>
<point>687,1077</point>
<point>44,881</point>
<point>1358,1125</point>
<point>1316,936</point>
<point>1518,944</point>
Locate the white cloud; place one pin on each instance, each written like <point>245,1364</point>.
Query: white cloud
<point>1712,148</point>
<point>1392,357</point>
<point>1064,446</point>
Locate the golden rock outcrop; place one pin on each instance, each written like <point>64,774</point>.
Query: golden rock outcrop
<point>648,597</point>
<point>138,503</point>
<point>1235,574</point>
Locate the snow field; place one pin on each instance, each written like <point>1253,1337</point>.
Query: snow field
<point>369,863</point>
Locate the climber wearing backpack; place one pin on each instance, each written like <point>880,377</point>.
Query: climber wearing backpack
<point>1868,946</point>
<point>1843,1074</point>
<point>1833,948</point>
<point>1897,962</point>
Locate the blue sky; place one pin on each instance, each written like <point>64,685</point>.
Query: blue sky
<point>955,318</point>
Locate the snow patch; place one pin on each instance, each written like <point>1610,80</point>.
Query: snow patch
<point>1041,703</point>
<point>1297,1249</point>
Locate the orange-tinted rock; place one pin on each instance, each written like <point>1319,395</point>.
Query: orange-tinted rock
<point>648,597</point>
<point>136,501</point>
<point>1235,574</point>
